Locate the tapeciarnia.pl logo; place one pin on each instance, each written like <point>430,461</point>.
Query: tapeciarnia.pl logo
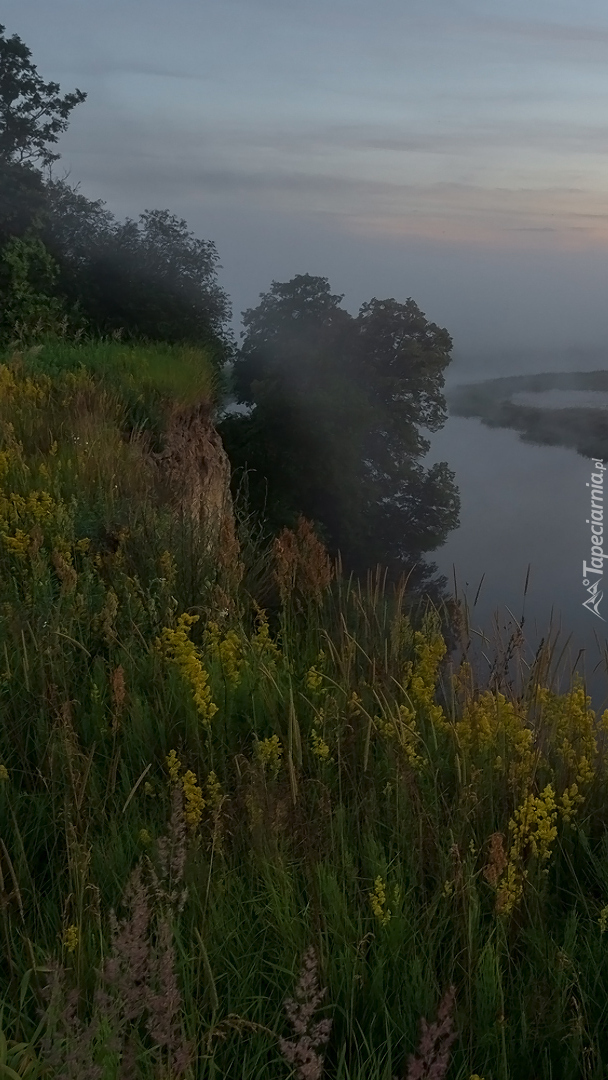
<point>593,573</point>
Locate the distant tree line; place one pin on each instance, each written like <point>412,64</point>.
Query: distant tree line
<point>333,404</point>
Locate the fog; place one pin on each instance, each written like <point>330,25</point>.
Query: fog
<point>507,312</point>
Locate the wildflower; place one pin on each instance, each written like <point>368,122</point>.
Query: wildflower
<point>434,1059</point>
<point>71,938</point>
<point>603,919</point>
<point>302,1052</point>
<point>355,703</point>
<point>570,798</point>
<point>421,678</point>
<point>228,650</point>
<point>269,752</point>
<point>149,788</point>
<point>214,791</point>
<point>497,861</point>
<point>174,765</point>
<point>167,567</point>
<point>144,837</point>
<point>261,642</point>
<point>19,543</point>
<point>301,562</point>
<point>319,747</point>
<point>118,688</point>
<point>403,731</point>
<point>314,680</point>
<point>178,647</point>
<point>534,822</point>
<point>65,571</point>
<point>572,724</point>
<point>3,772</point>
<point>378,902</point>
<point>511,889</point>
<point>108,615</point>
<point>195,803</point>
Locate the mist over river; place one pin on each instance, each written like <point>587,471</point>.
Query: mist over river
<point>522,505</point>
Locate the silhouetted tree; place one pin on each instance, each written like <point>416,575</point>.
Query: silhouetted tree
<point>333,432</point>
<point>32,114</point>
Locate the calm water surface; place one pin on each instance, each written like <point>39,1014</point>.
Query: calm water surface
<point>522,505</point>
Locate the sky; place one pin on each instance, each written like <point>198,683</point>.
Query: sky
<point>454,151</point>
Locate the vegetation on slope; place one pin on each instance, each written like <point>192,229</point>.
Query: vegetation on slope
<point>251,823</point>
<point>270,776</point>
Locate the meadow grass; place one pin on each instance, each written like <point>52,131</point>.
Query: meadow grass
<point>253,823</point>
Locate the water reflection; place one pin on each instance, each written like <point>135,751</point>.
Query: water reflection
<point>523,514</point>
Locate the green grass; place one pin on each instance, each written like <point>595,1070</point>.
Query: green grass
<point>368,837</point>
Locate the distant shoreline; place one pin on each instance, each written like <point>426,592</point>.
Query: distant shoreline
<point>584,430</point>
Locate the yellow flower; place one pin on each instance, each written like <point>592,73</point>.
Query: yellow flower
<point>228,650</point>
<point>533,824</point>
<point>511,889</point>
<point>195,803</point>
<point>173,765</point>
<point>268,752</point>
<point>19,543</point>
<point>261,642</point>
<point>355,702</point>
<point>144,837</point>
<point>3,772</point>
<point>603,919</point>
<point>177,646</point>
<point>214,791</point>
<point>314,680</point>
<point>378,902</point>
<point>421,677</point>
<point>319,748</point>
<point>71,938</point>
<point>571,722</point>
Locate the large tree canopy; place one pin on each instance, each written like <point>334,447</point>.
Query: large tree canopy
<point>333,432</point>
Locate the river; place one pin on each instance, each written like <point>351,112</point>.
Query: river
<point>523,508</point>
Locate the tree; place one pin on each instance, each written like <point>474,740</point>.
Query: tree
<point>32,113</point>
<point>151,278</point>
<point>333,432</point>
<point>159,280</point>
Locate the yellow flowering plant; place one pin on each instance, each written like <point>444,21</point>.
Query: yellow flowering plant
<point>177,646</point>
<point>377,898</point>
<point>269,752</point>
